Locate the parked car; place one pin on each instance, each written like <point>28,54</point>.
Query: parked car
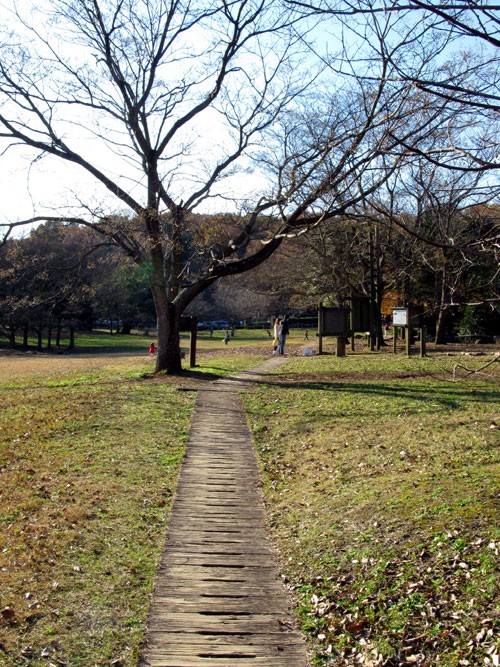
<point>220,324</point>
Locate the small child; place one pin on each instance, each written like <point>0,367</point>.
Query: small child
<point>226,337</point>
<point>152,348</point>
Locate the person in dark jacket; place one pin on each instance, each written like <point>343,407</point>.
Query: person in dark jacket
<point>283,330</point>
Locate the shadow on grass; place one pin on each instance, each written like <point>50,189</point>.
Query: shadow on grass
<point>204,376</point>
<point>451,397</point>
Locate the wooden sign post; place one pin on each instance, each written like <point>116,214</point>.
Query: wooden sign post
<point>190,324</point>
<point>333,322</point>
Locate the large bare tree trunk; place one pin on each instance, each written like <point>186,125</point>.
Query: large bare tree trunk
<point>169,350</point>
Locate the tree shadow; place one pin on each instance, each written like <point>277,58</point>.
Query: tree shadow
<point>203,376</point>
<point>452,398</point>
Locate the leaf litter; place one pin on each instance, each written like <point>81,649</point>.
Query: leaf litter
<point>385,510</point>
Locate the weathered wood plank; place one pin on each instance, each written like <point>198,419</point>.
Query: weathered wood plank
<point>268,649</point>
<point>229,559</point>
<point>192,623</point>
<point>215,606</point>
<point>224,590</point>
<point>211,541</point>
<point>177,661</point>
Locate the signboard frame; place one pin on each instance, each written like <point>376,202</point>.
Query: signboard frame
<point>334,321</point>
<point>400,317</point>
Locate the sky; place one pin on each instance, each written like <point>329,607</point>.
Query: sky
<point>24,185</point>
<point>31,187</point>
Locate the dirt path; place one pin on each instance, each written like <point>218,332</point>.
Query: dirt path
<point>218,599</point>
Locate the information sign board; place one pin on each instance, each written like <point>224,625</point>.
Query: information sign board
<point>334,322</point>
<point>400,317</point>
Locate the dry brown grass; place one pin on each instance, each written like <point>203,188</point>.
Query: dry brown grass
<point>382,478</point>
<point>89,454</point>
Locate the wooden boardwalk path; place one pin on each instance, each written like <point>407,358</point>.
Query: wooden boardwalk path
<point>218,600</point>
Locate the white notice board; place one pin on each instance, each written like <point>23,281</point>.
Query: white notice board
<point>400,317</point>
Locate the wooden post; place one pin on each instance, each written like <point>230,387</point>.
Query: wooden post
<point>408,341</point>
<point>340,346</point>
<point>378,289</point>
<point>320,329</point>
<point>190,324</point>
<point>371,339</point>
<point>192,342</point>
<point>422,342</point>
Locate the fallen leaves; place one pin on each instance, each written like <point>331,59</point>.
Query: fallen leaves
<point>419,610</point>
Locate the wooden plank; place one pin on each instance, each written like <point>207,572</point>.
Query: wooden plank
<point>210,539</point>
<point>192,623</point>
<point>213,559</point>
<point>224,632</point>
<point>221,596</point>
<point>255,645</point>
<point>271,649</point>
<point>214,606</point>
<point>223,661</point>
<point>179,661</point>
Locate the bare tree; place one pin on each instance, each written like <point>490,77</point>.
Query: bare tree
<point>456,238</point>
<point>446,50</point>
<point>466,18</point>
<point>158,101</point>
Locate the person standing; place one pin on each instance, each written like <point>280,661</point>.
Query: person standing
<point>284,330</point>
<point>276,334</point>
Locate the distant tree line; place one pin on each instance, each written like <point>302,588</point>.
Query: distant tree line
<point>455,289</point>
<point>59,279</point>
<point>443,256</point>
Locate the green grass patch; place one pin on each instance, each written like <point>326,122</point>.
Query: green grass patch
<point>95,341</point>
<point>381,476</point>
<point>89,459</point>
<point>138,342</point>
<point>214,366</point>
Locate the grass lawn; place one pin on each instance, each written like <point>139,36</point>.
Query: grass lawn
<point>381,478</point>
<point>100,341</point>
<point>89,456</point>
<point>382,482</point>
<point>90,450</point>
